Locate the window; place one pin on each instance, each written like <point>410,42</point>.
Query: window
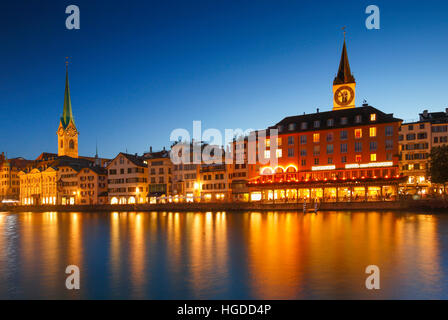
<point>267,154</point>
<point>329,149</point>
<point>316,124</point>
<point>344,135</point>
<point>302,139</point>
<point>303,162</point>
<point>330,161</point>
<point>373,117</point>
<point>422,126</point>
<point>422,135</point>
<point>358,146</point>
<point>389,156</point>
<point>358,158</point>
<point>268,143</point>
<point>292,127</point>
<point>71,144</point>
<point>278,153</point>
<point>358,133</point>
<point>316,150</point>
<point>316,161</point>
<point>344,159</point>
<point>62,144</point>
<point>304,125</point>
<point>343,148</point>
<point>290,140</point>
<point>344,120</point>
<point>291,152</point>
<point>316,137</point>
<point>373,145</point>
<point>436,139</point>
<point>303,152</point>
<point>358,118</point>
<point>373,157</point>
<point>411,127</point>
<point>389,131</point>
<point>330,122</point>
<point>280,128</point>
<point>389,144</point>
<point>372,131</point>
<point>330,137</point>
<point>410,136</point>
<point>279,141</point>
<point>400,137</point>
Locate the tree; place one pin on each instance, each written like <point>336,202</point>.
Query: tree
<point>438,165</point>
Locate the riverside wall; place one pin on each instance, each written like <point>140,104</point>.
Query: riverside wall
<point>414,205</point>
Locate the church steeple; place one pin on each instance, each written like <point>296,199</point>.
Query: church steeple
<point>344,74</point>
<point>67,132</point>
<point>67,114</point>
<point>344,84</point>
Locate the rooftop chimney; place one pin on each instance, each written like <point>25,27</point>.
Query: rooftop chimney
<point>317,110</point>
<point>150,149</point>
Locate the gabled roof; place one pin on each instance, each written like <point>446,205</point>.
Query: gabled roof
<point>135,159</point>
<point>157,155</point>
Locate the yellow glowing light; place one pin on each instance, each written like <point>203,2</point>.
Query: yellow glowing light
<point>318,168</point>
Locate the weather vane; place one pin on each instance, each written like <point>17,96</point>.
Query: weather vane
<point>343,29</point>
<point>66,62</point>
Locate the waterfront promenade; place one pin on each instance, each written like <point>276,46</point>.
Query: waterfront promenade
<point>240,206</point>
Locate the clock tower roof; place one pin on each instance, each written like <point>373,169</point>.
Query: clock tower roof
<point>344,74</point>
<point>67,114</point>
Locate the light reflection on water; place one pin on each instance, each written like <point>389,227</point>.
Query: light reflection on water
<point>223,255</point>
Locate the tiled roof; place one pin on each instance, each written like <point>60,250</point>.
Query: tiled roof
<point>365,111</point>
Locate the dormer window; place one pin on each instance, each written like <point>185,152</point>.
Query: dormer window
<point>291,126</point>
<point>316,124</point>
<point>358,119</point>
<point>330,122</point>
<point>343,120</point>
<point>280,128</point>
<point>373,117</point>
<point>304,126</point>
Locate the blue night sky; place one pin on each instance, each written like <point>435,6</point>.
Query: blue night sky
<point>140,69</point>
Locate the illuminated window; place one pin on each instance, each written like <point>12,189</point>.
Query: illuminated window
<point>268,143</point>
<point>279,141</point>
<point>267,154</point>
<point>373,117</point>
<point>358,133</point>
<point>316,137</point>
<point>358,158</point>
<point>372,131</point>
<point>278,153</point>
<point>373,157</point>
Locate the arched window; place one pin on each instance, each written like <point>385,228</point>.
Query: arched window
<point>71,144</point>
<point>62,144</point>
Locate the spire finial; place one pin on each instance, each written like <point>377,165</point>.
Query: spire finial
<point>343,29</point>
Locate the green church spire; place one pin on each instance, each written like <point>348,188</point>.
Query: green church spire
<point>67,114</point>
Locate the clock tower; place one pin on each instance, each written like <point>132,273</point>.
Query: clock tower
<point>344,84</point>
<point>67,132</point>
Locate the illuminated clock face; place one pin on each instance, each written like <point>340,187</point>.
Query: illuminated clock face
<point>71,132</point>
<point>344,96</point>
<point>61,131</point>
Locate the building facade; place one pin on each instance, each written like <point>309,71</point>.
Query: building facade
<point>160,176</point>
<point>348,154</point>
<point>127,179</point>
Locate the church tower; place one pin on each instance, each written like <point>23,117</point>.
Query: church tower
<point>344,84</point>
<point>67,132</point>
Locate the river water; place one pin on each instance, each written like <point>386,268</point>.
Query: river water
<point>223,255</point>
